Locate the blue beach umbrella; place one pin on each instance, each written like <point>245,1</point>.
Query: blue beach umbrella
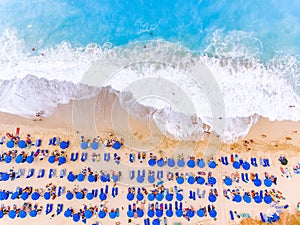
<point>89,196</point>
<point>179,197</point>
<point>47,195</point>
<point>213,213</point>
<point>29,159</point>
<point>69,195</point>
<point>151,162</point>
<point>201,163</point>
<point>76,217</point>
<point>200,180</point>
<point>212,164</point>
<point>190,213</point>
<point>171,162</point>
<point>212,180</point>
<point>159,213</point>
<point>19,159</point>
<point>247,199</point>
<point>5,176</point>
<point>51,159</point>
<point>191,180</point>
<point>268,199</point>
<point>12,214</point>
<point>212,198</point>
<point>115,178</point>
<point>79,195</point>
<point>62,160</point>
<point>191,163</point>
<point>10,144</point>
<point>71,177</point>
<point>156,222</point>
<point>180,180</point>
<point>102,214</point>
<point>151,197</point>
<point>84,145</point>
<point>14,195</point>
<point>140,197</point>
<point>63,145</point>
<point>180,163</point>
<point>268,182</point>
<point>160,162</point>
<point>7,158</point>
<point>24,195</point>
<point>140,212</point>
<point>117,145</point>
<point>159,197</point>
<point>35,196</point>
<point>179,213</point>
<point>1,214</point>
<point>200,213</point>
<point>228,181</point>
<point>91,178</point>
<point>257,182</point>
<point>130,196</point>
<point>258,199</point>
<point>112,215</point>
<point>80,177</point>
<point>237,198</point>
<point>140,179</point>
<point>94,145</point>
<point>88,214</point>
<point>130,213</point>
<point>150,213</point>
<point>104,178</point>
<point>236,165</point>
<point>22,214</point>
<point>22,144</point>
<point>169,197</point>
<point>68,213</point>
<point>169,213</point>
<point>3,195</point>
<point>246,165</point>
<point>33,213</point>
<point>151,179</point>
<point>102,196</point>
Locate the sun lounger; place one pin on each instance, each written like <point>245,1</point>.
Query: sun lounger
<point>62,173</point>
<point>41,173</point>
<point>52,173</point>
<point>246,177</point>
<point>262,218</point>
<point>266,163</point>
<point>84,156</point>
<point>131,157</point>
<point>203,193</point>
<point>253,162</point>
<point>243,178</point>
<point>49,208</point>
<point>131,175</point>
<point>59,209</point>
<point>30,173</point>
<point>231,215</point>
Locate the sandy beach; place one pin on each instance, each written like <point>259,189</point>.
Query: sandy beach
<point>266,139</point>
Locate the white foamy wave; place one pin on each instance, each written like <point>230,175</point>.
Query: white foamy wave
<point>62,62</point>
<point>28,95</point>
<point>249,88</point>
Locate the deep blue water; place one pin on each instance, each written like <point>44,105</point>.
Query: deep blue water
<point>269,27</point>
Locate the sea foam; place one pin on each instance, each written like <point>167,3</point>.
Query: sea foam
<point>40,80</point>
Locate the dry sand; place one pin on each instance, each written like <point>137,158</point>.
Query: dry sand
<point>270,139</point>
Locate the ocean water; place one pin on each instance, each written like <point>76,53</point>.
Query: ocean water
<point>48,49</point>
